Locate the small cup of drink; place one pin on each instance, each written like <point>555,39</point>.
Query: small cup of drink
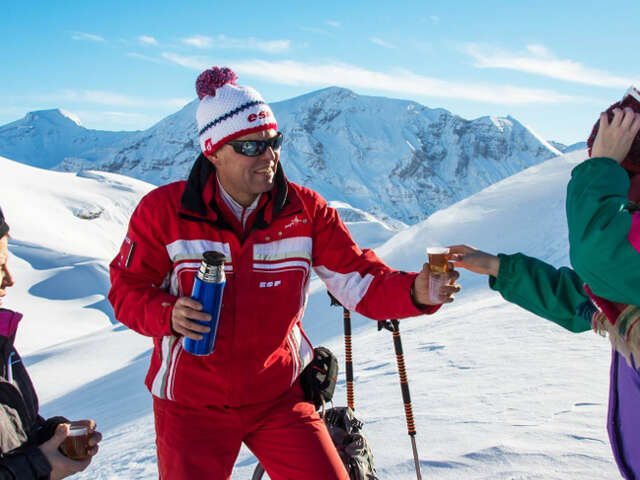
<point>76,445</point>
<point>438,259</point>
<point>438,264</point>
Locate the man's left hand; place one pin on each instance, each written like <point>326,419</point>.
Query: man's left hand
<point>421,294</point>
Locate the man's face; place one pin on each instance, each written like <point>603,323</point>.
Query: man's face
<point>6,280</point>
<point>244,178</point>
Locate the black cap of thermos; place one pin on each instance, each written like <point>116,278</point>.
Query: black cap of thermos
<point>213,258</point>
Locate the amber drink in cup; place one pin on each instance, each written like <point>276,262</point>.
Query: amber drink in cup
<point>76,445</point>
<point>438,264</point>
<point>438,259</point>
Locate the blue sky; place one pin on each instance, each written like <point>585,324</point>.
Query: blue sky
<point>124,65</point>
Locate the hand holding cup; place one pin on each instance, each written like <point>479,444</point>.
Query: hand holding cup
<point>54,450</point>
<point>435,284</point>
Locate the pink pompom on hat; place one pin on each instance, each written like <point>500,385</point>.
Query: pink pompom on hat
<point>228,111</point>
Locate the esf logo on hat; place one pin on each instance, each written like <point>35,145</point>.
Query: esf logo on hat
<point>262,114</point>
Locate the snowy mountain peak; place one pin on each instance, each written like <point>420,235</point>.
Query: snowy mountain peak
<point>396,159</point>
<point>71,116</point>
<point>53,117</point>
<point>44,138</point>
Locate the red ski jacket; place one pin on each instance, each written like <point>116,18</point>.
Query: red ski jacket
<point>260,347</point>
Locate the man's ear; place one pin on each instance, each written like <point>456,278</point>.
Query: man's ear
<point>213,158</point>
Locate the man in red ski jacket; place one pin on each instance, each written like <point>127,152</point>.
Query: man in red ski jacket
<point>238,201</point>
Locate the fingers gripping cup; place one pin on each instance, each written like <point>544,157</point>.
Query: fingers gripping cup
<point>208,288</point>
<point>438,265</point>
<point>76,445</point>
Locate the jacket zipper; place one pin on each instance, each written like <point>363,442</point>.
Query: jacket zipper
<point>10,368</point>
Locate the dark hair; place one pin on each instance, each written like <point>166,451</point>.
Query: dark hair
<point>4,227</point>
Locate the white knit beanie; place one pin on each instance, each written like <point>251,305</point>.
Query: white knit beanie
<point>227,111</point>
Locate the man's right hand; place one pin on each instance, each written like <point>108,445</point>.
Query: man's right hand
<point>185,310</point>
<point>62,466</point>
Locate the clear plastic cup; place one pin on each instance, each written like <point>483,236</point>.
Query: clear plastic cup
<point>438,265</point>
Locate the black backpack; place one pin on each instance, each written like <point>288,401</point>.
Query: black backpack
<point>354,450</point>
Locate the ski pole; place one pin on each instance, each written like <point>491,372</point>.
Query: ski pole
<point>347,351</point>
<point>394,327</point>
<point>348,357</point>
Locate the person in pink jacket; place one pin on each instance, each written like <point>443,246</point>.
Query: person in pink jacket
<point>272,232</point>
<point>31,447</point>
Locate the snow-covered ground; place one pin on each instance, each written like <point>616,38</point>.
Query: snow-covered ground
<point>497,392</point>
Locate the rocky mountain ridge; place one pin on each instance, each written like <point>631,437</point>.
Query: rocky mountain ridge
<point>397,159</point>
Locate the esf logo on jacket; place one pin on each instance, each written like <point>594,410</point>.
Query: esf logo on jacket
<point>270,284</point>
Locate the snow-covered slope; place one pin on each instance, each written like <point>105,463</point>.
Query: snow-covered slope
<point>395,159</point>
<point>497,392</point>
<point>65,228</point>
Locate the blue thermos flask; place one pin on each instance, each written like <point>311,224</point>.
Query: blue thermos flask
<point>208,287</point>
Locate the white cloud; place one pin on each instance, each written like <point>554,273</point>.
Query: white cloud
<point>198,41</point>
<point>146,58</point>
<point>225,42</point>
<point>382,43</point>
<point>398,81</point>
<point>124,115</point>
<point>86,36</point>
<point>112,99</point>
<point>434,18</point>
<point>146,40</point>
<point>117,120</point>
<point>194,63</point>
<point>538,50</point>
<point>334,24</point>
<point>268,46</point>
<point>539,61</point>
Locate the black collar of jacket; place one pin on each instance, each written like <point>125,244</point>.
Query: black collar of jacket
<point>202,172</point>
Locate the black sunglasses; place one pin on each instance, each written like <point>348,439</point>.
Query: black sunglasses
<point>253,148</point>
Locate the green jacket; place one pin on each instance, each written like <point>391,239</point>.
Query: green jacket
<point>602,231</point>
<point>604,238</point>
<point>554,294</point>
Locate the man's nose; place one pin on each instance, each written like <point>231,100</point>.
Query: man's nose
<point>269,154</point>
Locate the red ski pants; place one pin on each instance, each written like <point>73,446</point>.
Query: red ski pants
<point>286,435</point>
